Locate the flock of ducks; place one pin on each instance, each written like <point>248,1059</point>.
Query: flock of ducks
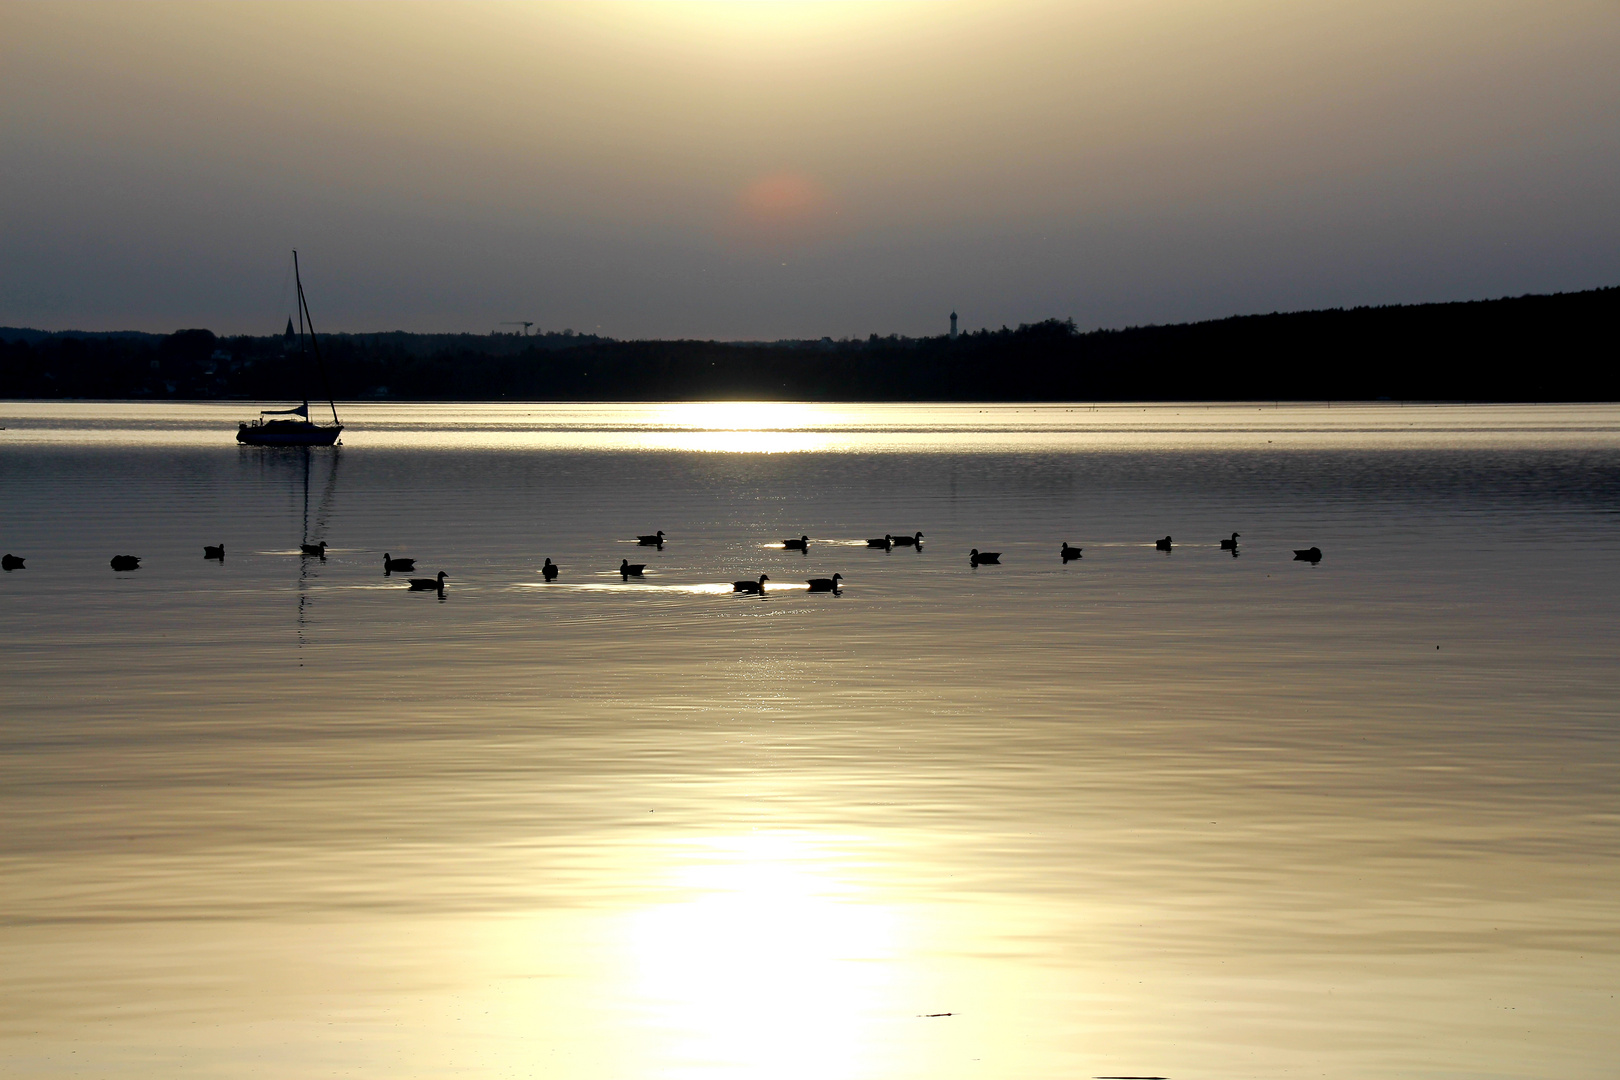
<point>889,543</point>
<point>751,587</point>
<point>627,569</point>
<point>391,566</point>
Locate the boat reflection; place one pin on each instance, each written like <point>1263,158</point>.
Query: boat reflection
<point>275,463</point>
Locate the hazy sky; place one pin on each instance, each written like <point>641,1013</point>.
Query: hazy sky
<point>767,169</point>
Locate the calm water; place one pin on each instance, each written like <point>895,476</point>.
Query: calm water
<point>1145,814</point>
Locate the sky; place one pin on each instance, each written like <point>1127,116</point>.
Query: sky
<point>768,169</point>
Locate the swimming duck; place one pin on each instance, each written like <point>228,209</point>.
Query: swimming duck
<point>549,570</point>
<point>630,569</point>
<point>1069,552</point>
<point>11,562</point>
<point>885,542</point>
<point>1162,545</point>
<point>909,541</point>
<point>318,550</point>
<point>391,564</point>
<point>1310,555</point>
<point>214,552</point>
<point>801,544</point>
<point>825,584</point>
<point>1230,545</point>
<point>126,562</point>
<point>977,557</point>
<point>755,587</point>
<point>654,540</point>
<point>422,584</point>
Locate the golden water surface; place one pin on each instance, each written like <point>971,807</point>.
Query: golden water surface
<point>1174,814</point>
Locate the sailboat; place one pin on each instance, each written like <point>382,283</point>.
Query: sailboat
<point>299,432</point>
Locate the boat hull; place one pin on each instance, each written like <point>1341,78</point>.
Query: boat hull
<point>273,434</point>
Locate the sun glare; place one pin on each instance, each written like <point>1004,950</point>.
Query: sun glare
<point>756,24</point>
<point>741,427</point>
<point>742,415</point>
<point>765,966</point>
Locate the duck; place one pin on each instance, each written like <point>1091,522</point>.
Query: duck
<point>1310,555</point>
<point>11,562</point>
<point>654,540</point>
<point>1230,545</point>
<point>549,570</point>
<point>390,564</point>
<point>977,557</point>
<point>1162,545</point>
<point>801,544</point>
<point>318,550</point>
<point>755,587</point>
<point>909,541</point>
<point>885,542</point>
<point>214,552</point>
<point>825,584</point>
<point>126,562</point>
<point>1069,552</point>
<point>629,569</point>
<point>422,584</point>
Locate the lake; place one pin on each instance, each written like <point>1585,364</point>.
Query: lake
<point>1143,813</point>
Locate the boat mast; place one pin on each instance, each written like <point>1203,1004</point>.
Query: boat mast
<point>304,317</point>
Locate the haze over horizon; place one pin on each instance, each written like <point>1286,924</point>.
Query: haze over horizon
<point>775,170</point>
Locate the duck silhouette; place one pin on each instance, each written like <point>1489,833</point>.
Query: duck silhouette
<point>909,541</point>
<point>214,552</point>
<point>549,570</point>
<point>825,584</point>
<point>1230,545</point>
<point>755,587</point>
<point>629,569</point>
<point>978,558</point>
<point>801,544</point>
<point>422,584</point>
<point>11,562</point>
<point>126,562</point>
<point>885,542</point>
<point>1162,545</point>
<point>317,550</point>
<point>652,539</point>
<point>1310,555</point>
<point>1068,552</point>
<point>391,564</point>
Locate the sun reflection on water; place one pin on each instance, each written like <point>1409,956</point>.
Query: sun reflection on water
<point>736,442</point>
<point>766,966</point>
<point>743,415</point>
<point>741,427</point>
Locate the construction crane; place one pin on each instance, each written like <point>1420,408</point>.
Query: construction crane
<point>525,323</point>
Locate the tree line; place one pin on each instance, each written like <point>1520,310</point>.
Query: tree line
<point>1558,347</point>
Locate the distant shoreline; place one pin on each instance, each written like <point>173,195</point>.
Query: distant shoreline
<point>1540,348</point>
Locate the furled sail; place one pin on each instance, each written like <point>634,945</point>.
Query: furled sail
<point>301,410</point>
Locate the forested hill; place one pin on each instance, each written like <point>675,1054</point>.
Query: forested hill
<point>1561,347</point>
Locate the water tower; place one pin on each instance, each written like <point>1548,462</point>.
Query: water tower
<point>953,326</point>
